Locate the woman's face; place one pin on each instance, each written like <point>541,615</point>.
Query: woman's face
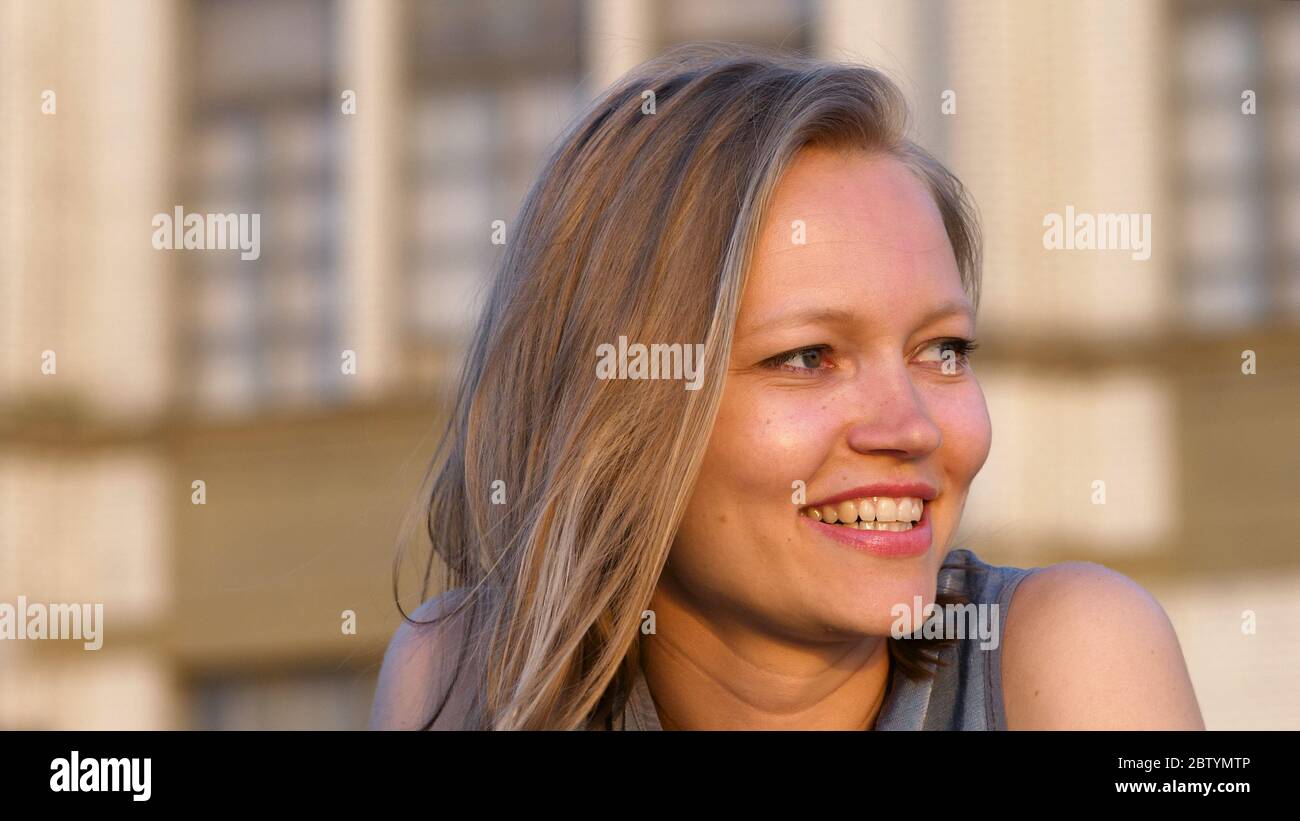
<point>846,375</point>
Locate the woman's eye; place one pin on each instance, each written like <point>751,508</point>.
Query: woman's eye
<point>804,360</point>
<point>952,354</point>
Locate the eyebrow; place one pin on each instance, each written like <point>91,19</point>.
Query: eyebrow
<point>812,316</point>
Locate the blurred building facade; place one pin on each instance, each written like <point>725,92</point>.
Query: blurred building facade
<point>1103,373</point>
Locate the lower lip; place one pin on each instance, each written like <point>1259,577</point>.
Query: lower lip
<point>914,542</point>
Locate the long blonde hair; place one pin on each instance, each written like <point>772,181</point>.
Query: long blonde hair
<point>640,225</point>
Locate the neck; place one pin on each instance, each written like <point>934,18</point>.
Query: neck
<point>711,669</point>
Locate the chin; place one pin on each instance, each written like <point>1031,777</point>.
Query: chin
<point>866,608</point>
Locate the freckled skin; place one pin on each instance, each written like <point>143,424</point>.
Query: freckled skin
<point>761,620</point>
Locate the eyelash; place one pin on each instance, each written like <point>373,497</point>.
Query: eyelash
<point>964,348</point>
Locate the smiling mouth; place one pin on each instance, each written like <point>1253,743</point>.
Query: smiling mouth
<point>895,514</point>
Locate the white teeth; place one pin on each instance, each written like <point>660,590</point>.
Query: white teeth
<point>886,509</point>
<point>892,526</point>
<point>918,508</point>
<point>867,510</point>
<point>877,512</point>
<point>848,512</point>
<point>896,527</point>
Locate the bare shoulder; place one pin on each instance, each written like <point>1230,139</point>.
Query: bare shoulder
<point>1086,647</point>
<point>419,664</point>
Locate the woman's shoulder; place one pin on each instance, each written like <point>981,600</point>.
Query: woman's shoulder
<point>1086,647</point>
<point>419,664</point>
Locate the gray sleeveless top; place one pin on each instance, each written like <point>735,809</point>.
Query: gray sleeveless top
<point>966,691</point>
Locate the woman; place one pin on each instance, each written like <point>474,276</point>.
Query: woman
<point>628,547</point>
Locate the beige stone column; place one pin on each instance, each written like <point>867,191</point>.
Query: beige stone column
<point>375,223</point>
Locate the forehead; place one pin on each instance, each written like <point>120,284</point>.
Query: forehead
<point>854,195</point>
<point>861,229</point>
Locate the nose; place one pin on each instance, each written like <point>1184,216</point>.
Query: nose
<point>894,420</point>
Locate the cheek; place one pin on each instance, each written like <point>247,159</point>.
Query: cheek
<point>762,442</point>
<point>967,434</point>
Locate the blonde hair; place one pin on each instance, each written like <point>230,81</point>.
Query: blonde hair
<point>640,225</point>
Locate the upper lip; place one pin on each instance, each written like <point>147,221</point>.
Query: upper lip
<point>891,489</point>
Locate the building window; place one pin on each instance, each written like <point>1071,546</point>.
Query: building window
<point>264,128</point>
<point>493,84</point>
<point>303,700</point>
<point>1238,173</point>
<point>785,24</point>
